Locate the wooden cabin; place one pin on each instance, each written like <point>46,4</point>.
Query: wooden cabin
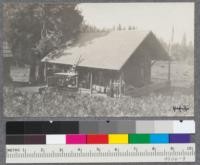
<point>119,59</point>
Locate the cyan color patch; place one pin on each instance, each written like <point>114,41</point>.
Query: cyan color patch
<point>159,138</point>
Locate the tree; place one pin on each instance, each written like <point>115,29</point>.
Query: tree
<point>89,28</point>
<point>180,51</point>
<point>33,30</point>
<point>119,27</point>
<point>184,40</point>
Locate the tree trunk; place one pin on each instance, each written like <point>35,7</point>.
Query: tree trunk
<point>32,76</point>
<point>36,73</point>
<point>32,62</point>
<point>41,72</point>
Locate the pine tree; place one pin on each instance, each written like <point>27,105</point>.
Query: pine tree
<point>33,30</point>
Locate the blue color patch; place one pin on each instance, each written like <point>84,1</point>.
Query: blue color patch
<point>159,138</point>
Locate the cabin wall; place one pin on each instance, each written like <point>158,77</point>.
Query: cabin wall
<point>137,70</point>
<point>99,77</point>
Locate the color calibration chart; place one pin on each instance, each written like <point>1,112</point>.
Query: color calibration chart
<point>100,141</point>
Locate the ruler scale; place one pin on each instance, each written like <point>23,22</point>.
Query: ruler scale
<point>100,153</point>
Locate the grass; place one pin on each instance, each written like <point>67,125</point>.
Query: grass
<point>182,73</point>
<point>59,104</point>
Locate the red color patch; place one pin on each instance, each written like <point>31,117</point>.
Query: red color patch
<point>97,139</point>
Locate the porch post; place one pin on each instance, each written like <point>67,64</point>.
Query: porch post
<point>91,82</point>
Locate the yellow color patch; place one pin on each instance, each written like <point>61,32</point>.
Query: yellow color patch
<point>118,138</point>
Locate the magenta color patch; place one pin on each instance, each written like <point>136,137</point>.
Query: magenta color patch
<point>75,139</point>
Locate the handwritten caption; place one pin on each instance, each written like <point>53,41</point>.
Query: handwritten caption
<point>181,108</point>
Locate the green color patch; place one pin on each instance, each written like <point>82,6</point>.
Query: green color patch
<point>138,138</point>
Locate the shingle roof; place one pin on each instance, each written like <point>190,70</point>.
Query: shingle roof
<point>108,50</point>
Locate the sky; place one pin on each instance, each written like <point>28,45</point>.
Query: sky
<point>157,17</point>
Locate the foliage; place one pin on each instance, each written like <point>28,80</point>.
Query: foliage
<point>40,27</point>
<point>181,51</point>
<point>92,28</point>
<point>63,104</point>
<point>33,30</point>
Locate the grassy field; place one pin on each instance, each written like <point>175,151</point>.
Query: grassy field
<point>182,74</point>
<point>24,103</point>
<point>52,103</point>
